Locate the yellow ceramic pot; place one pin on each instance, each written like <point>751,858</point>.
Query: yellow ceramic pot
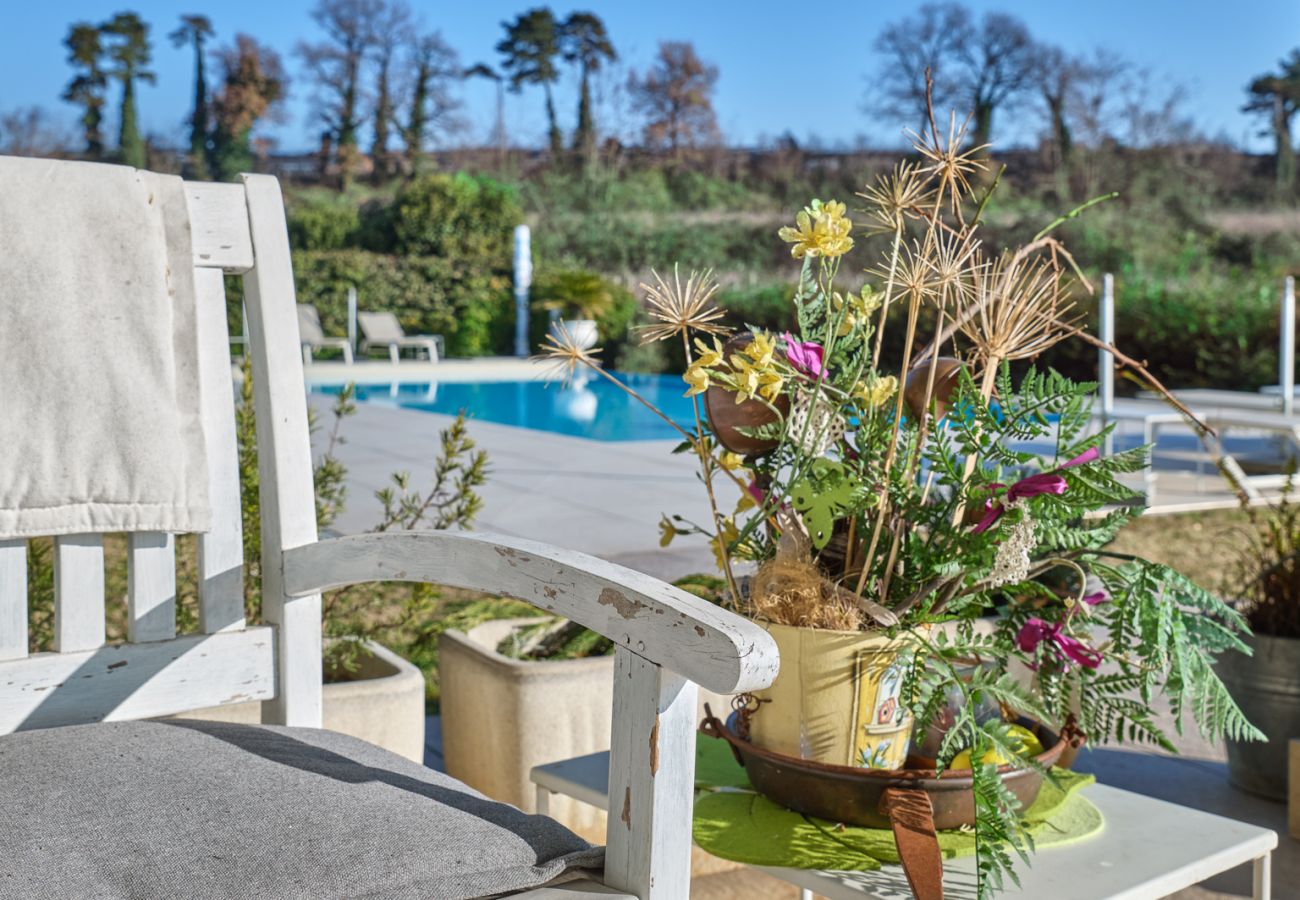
<point>836,699</point>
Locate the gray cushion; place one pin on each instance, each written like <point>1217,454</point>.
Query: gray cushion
<point>204,809</point>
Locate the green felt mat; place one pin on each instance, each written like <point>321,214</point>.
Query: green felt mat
<point>737,824</point>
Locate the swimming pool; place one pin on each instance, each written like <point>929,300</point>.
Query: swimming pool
<point>593,409</point>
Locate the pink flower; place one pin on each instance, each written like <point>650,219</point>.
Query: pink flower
<point>805,356</point>
<point>1042,483</point>
<point>1096,598</point>
<point>1068,649</point>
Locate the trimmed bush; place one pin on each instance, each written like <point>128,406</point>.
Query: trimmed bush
<point>320,225</point>
<point>456,217</point>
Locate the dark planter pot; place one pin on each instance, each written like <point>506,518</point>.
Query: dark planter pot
<point>726,416</point>
<point>1267,688</point>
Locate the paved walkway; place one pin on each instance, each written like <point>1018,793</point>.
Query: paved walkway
<point>603,498</point>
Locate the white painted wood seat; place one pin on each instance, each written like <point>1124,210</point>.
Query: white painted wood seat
<point>667,640</point>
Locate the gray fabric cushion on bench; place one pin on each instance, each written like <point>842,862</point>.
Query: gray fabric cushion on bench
<point>165,809</point>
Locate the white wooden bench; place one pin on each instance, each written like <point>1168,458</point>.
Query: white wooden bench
<point>667,640</point>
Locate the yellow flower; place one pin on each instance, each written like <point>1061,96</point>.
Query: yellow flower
<point>761,349</point>
<point>698,379</point>
<point>731,461</point>
<point>709,356</point>
<point>744,503</point>
<point>667,531</point>
<point>875,392</point>
<point>821,230</point>
<point>860,308</point>
<point>755,381</point>
<point>719,544</point>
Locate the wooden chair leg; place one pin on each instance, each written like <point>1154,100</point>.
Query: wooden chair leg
<point>651,780</point>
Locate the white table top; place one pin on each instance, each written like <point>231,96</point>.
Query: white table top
<point>1148,848</point>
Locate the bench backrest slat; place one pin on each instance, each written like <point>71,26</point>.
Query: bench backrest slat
<point>13,599</point>
<point>78,592</point>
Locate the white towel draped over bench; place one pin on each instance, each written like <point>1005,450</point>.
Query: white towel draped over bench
<point>100,426</point>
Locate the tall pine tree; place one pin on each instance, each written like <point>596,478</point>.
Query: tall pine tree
<point>194,31</point>
<point>529,49</point>
<point>585,43</point>
<point>127,38</point>
<point>88,86</point>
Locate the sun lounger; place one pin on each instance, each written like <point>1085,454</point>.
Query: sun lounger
<point>313,337</point>
<point>381,329</point>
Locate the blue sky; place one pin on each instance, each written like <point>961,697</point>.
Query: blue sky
<point>807,74</point>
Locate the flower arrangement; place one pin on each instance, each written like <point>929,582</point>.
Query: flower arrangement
<point>946,501</point>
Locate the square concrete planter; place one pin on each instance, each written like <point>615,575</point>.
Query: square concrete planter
<point>502,716</point>
<point>384,705</point>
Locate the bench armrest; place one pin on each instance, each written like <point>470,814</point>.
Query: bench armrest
<point>709,645</point>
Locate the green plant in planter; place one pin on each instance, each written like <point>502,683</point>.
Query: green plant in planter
<point>902,506</point>
<point>573,294</point>
<point>1267,591</point>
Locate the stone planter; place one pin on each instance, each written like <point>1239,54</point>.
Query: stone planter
<point>383,706</point>
<point>1267,688</point>
<point>502,716</point>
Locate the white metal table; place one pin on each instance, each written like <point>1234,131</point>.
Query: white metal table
<point>1149,848</point>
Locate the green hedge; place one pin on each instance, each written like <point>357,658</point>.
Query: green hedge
<point>471,309</point>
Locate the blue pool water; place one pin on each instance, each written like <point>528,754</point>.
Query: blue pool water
<point>594,409</point>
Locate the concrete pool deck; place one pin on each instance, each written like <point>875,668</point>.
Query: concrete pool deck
<point>598,497</point>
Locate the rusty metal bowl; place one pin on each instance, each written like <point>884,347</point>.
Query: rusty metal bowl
<point>853,796</point>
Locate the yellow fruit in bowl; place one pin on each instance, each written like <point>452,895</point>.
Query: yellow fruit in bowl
<point>1027,744</point>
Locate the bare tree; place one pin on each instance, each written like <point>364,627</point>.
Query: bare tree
<point>975,69</point>
<point>1057,73</point>
<point>433,68</point>
<point>676,96</point>
<point>1153,111</point>
<point>334,66</point>
<point>998,64</point>
<point>1093,101</point>
<point>930,40</point>
<point>31,131</point>
<point>498,137</point>
<point>391,30</point>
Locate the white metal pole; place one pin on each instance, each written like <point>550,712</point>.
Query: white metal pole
<point>1286,352</point>
<point>352,317</point>
<point>523,281</point>
<point>1106,359</point>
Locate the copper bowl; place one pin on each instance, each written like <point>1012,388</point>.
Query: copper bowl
<point>852,795</point>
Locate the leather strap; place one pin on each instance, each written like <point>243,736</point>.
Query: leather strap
<point>911,816</point>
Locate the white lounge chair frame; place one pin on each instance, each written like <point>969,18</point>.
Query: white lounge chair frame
<point>381,329</point>
<point>667,640</point>
<point>313,337</point>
